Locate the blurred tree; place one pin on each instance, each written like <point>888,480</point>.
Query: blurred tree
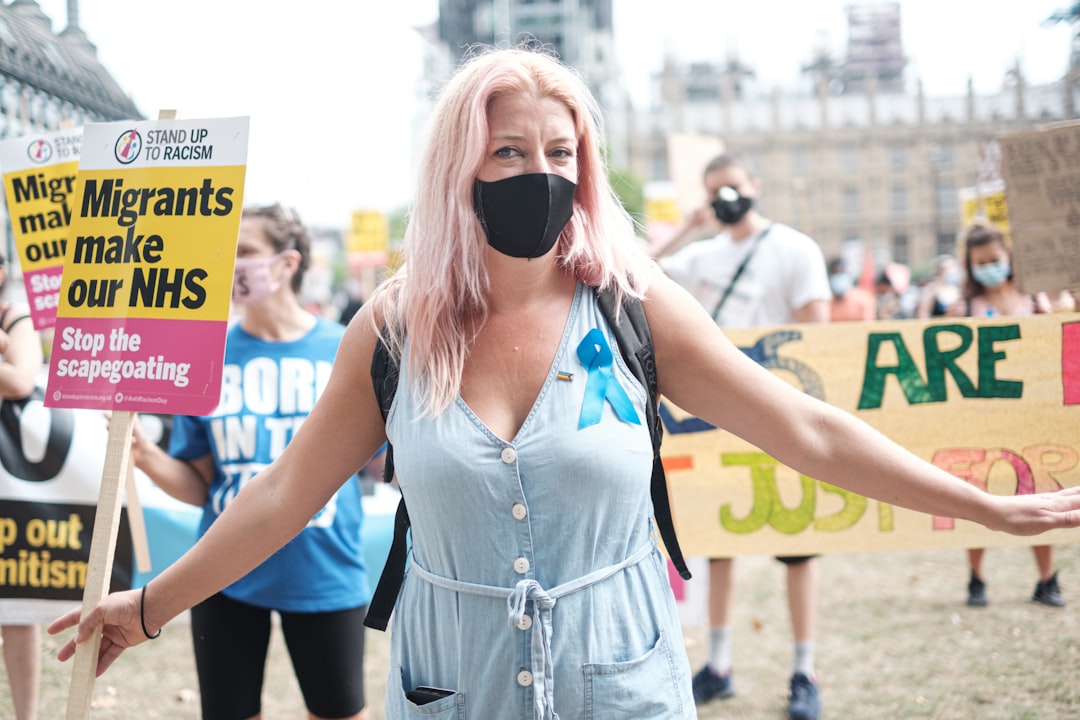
<point>630,190</point>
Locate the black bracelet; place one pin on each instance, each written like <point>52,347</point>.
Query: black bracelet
<point>142,615</point>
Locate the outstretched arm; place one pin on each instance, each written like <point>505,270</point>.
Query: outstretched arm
<point>342,432</point>
<point>702,372</point>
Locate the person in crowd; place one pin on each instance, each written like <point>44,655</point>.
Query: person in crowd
<point>754,273</point>
<point>887,299</point>
<point>352,299</point>
<point>849,301</point>
<point>990,290</point>
<point>278,357</point>
<point>20,364</point>
<point>942,290</point>
<point>535,586</point>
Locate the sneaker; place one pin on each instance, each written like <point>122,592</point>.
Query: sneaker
<point>805,702</point>
<point>707,685</point>
<point>977,592</point>
<point>1048,593</point>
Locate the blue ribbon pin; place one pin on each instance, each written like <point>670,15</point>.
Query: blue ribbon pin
<point>595,355</point>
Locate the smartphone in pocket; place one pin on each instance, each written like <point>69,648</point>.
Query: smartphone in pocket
<point>423,694</point>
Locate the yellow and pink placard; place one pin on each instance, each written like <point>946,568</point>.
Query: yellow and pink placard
<point>994,401</point>
<point>39,184</point>
<point>144,297</point>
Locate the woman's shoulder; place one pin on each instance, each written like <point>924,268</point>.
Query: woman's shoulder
<point>11,313</point>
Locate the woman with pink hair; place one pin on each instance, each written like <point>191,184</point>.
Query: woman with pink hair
<point>536,588</point>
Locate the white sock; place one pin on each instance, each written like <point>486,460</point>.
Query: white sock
<point>720,649</point>
<point>804,659</point>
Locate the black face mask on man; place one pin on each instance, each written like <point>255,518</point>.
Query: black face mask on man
<point>731,207</point>
<point>524,214</point>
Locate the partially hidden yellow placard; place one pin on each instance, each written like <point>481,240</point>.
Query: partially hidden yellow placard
<point>39,185</point>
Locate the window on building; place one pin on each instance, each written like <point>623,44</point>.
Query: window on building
<point>946,201</point>
<point>898,200</point>
<point>802,198</point>
<point>945,244</point>
<point>898,158</point>
<point>901,250</point>
<point>800,163</point>
<point>945,156</point>
<point>851,203</point>
<point>849,159</point>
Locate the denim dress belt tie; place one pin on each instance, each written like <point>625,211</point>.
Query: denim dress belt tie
<point>543,669</point>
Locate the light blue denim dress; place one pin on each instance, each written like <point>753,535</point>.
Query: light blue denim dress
<point>535,588</point>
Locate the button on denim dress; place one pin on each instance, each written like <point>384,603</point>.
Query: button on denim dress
<point>535,587</point>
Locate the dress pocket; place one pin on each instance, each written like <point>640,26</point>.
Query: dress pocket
<point>645,688</point>
<point>451,707</point>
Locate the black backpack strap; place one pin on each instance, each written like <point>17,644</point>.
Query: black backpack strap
<point>632,333</point>
<point>384,378</point>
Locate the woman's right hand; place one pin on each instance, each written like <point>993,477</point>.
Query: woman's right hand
<point>118,617</point>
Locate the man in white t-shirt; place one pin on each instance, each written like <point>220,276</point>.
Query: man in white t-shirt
<point>754,273</point>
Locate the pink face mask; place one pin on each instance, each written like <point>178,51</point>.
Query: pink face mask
<point>252,280</point>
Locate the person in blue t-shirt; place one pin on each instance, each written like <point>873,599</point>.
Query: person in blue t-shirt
<point>278,358</point>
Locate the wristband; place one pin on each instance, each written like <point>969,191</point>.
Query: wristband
<point>142,615</point>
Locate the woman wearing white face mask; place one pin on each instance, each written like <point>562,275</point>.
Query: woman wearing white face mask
<point>990,290</point>
<point>277,360</point>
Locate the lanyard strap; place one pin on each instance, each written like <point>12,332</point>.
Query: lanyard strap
<point>738,274</point>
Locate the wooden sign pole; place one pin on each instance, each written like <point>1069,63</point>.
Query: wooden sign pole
<point>103,545</point>
<point>136,523</point>
<point>102,548</point>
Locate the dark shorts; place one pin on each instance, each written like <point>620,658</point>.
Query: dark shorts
<point>788,559</point>
<point>231,640</point>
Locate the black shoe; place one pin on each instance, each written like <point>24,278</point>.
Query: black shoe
<point>1048,593</point>
<point>977,592</point>
<point>805,702</point>
<point>707,685</point>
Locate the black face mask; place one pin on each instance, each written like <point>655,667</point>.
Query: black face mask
<point>523,215</point>
<point>731,207</point>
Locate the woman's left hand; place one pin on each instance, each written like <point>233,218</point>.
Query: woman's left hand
<point>1034,514</point>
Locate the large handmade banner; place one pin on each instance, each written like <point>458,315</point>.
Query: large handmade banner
<point>994,401</point>
<point>144,300</point>
<point>39,185</point>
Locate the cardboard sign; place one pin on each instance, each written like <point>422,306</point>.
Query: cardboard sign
<point>145,293</point>
<point>1041,168</point>
<point>995,402</point>
<point>39,184</point>
<point>688,154</point>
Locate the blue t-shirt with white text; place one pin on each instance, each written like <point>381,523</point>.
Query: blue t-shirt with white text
<point>268,389</point>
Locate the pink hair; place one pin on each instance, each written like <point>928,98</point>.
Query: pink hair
<point>444,279</point>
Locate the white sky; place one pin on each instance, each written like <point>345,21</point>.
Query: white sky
<point>342,141</point>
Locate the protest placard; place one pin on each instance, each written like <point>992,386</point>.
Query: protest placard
<point>39,185</point>
<point>145,293</point>
<point>1041,168</point>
